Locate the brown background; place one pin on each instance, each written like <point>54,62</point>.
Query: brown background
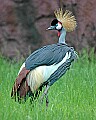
<point>23,25</point>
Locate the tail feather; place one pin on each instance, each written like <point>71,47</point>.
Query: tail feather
<point>20,86</point>
<point>22,90</point>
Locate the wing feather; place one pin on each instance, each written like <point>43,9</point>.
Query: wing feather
<point>47,55</point>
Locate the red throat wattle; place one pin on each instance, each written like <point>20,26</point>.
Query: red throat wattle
<point>58,34</point>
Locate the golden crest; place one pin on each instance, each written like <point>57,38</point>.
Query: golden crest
<point>67,19</point>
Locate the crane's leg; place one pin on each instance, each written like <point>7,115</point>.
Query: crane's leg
<point>47,100</point>
<point>45,94</point>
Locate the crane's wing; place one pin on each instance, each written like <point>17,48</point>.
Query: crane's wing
<point>62,69</point>
<point>47,55</point>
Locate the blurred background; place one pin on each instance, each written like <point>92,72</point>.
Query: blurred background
<point>23,25</point>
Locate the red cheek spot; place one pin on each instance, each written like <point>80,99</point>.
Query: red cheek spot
<point>59,22</point>
<point>58,34</point>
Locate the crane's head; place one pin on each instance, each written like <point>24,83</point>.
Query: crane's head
<point>63,20</point>
<point>55,25</point>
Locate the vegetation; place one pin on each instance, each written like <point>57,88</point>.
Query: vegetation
<point>73,97</point>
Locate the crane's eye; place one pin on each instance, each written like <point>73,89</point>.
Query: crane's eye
<point>56,25</point>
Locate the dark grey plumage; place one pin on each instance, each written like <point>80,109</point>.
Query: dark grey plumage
<point>49,55</point>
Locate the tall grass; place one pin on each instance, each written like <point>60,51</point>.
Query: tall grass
<point>73,97</point>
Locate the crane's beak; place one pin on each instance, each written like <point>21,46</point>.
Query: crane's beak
<point>51,28</point>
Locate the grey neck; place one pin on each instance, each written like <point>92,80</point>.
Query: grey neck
<point>62,36</point>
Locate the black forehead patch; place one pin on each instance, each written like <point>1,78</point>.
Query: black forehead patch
<point>54,22</point>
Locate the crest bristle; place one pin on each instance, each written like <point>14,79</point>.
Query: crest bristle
<point>67,19</point>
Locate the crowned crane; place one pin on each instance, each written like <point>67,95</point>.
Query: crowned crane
<point>46,65</point>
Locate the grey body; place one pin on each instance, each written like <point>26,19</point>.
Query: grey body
<point>49,55</point>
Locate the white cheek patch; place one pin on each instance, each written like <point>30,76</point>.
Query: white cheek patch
<point>59,26</point>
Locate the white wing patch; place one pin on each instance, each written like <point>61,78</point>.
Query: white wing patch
<point>23,65</point>
<point>49,70</point>
<point>35,79</point>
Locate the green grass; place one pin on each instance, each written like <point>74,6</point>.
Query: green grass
<point>73,97</point>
